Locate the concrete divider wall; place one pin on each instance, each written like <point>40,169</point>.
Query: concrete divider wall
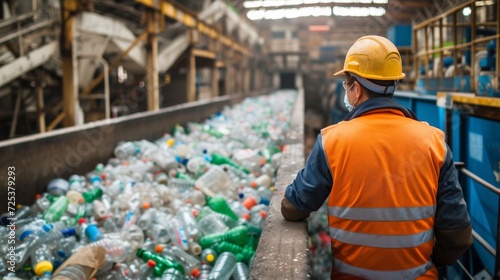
<point>283,247</point>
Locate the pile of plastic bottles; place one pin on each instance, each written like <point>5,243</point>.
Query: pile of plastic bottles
<point>190,205</point>
<point>320,253</point>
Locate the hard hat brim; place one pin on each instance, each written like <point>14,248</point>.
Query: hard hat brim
<point>402,76</point>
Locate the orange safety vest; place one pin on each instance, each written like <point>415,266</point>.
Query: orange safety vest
<point>385,169</point>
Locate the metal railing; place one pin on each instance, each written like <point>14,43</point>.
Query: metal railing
<point>494,252</point>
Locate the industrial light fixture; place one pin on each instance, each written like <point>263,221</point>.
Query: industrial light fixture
<point>466,11</point>
<point>315,11</point>
<point>278,3</point>
<point>289,13</point>
<point>358,11</point>
<point>319,28</point>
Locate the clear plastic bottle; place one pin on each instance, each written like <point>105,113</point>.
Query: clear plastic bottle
<point>178,234</point>
<point>211,224</point>
<point>124,150</point>
<point>258,219</point>
<point>204,271</point>
<point>181,185</point>
<point>172,274</point>
<point>22,212</point>
<point>196,197</point>
<point>186,217</point>
<point>215,180</point>
<point>42,203</point>
<point>100,210</point>
<point>158,233</point>
<point>238,208</point>
<point>47,236</point>
<point>240,272</point>
<point>146,270</point>
<point>208,256</point>
<point>146,218</point>
<point>230,222</point>
<point>57,187</point>
<point>116,250</point>
<point>74,272</point>
<point>224,267</point>
<point>3,267</point>
<point>41,260</point>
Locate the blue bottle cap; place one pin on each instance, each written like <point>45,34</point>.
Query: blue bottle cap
<point>184,161</point>
<point>93,233</point>
<point>241,195</point>
<point>67,232</point>
<point>95,179</point>
<point>178,158</point>
<point>25,234</point>
<point>264,201</point>
<point>47,227</point>
<point>61,254</point>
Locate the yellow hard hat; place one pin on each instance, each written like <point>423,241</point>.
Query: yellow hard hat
<point>374,57</point>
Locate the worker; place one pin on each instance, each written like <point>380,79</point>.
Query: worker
<point>395,207</point>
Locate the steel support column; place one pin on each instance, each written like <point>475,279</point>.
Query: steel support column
<point>68,57</point>
<point>191,77</point>
<point>40,105</point>
<point>215,80</point>
<point>152,80</point>
<point>246,75</point>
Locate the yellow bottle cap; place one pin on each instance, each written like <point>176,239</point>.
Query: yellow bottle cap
<point>43,266</point>
<point>210,258</point>
<point>170,142</point>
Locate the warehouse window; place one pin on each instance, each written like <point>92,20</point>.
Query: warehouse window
<point>278,35</point>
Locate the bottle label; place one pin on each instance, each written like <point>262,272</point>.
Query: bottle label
<point>181,237</point>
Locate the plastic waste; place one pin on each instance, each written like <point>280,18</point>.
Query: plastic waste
<point>223,267</point>
<point>240,272</point>
<point>41,260</point>
<point>215,180</point>
<point>147,269</point>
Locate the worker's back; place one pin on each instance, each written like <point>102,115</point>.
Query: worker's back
<point>385,169</point>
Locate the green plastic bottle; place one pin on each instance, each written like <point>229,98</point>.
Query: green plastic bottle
<point>237,235</point>
<point>162,262</point>
<point>219,159</point>
<point>225,246</point>
<point>246,255</point>
<point>219,204</point>
<point>56,210</point>
<point>183,176</point>
<point>92,195</point>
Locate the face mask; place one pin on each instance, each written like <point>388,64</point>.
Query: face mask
<point>346,100</point>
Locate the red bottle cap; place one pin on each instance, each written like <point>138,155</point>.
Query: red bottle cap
<point>151,263</point>
<point>195,272</point>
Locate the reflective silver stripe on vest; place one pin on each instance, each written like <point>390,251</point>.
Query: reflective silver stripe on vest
<point>378,274</point>
<point>383,214</point>
<point>382,241</point>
